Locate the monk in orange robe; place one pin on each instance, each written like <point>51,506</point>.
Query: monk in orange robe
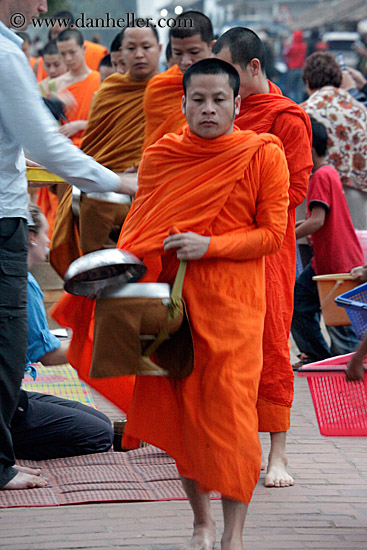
<point>114,136</point>
<point>226,192</point>
<point>264,109</point>
<point>162,100</point>
<point>76,87</point>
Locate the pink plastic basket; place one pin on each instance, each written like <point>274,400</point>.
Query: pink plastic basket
<point>340,406</point>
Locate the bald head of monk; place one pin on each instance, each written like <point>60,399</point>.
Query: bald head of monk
<point>243,49</point>
<point>140,50</point>
<point>70,44</point>
<point>211,101</point>
<point>191,39</point>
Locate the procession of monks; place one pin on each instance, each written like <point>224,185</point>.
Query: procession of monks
<point>218,160</point>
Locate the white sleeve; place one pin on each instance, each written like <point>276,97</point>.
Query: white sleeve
<point>29,122</point>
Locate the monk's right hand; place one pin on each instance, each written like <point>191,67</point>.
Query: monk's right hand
<point>128,183</point>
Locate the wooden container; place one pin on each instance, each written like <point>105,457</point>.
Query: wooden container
<point>329,287</point>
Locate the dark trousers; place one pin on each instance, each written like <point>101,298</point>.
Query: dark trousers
<point>306,323</point>
<point>13,331</point>
<point>52,427</point>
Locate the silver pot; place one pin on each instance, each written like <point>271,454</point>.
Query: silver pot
<point>94,272</point>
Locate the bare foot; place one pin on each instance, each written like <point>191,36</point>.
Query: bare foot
<point>25,481</point>
<point>263,461</point>
<point>277,475</point>
<point>26,470</point>
<point>203,537</point>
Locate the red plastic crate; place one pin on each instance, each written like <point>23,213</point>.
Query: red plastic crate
<point>340,406</point>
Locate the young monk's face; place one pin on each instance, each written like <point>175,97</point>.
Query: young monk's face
<point>189,50</point>
<point>54,66</point>
<point>140,51</point>
<point>209,105</point>
<point>118,62</point>
<point>71,54</point>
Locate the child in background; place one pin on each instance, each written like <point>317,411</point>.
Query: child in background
<point>336,249</point>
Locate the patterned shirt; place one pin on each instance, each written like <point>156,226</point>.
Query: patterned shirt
<point>345,119</point>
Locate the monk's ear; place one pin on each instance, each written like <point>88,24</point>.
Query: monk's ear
<point>183,105</point>
<point>237,104</point>
<point>255,66</point>
<point>212,44</point>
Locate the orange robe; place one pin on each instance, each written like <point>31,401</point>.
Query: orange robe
<point>93,54</point>
<point>162,105</point>
<point>282,117</point>
<point>236,192</point>
<point>83,93</point>
<point>114,137</point>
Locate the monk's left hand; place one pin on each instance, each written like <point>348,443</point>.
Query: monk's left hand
<point>189,246</point>
<point>71,128</point>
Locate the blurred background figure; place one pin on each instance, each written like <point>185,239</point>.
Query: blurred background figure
<point>361,47</point>
<point>346,122</point>
<point>295,55</point>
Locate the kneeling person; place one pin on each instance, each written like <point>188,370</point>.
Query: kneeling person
<point>46,426</point>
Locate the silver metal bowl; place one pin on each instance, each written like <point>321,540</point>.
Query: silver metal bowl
<point>94,272</point>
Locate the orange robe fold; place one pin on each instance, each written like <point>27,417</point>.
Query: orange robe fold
<point>235,190</point>
<point>282,117</point>
<point>162,105</point>
<point>93,54</point>
<point>114,137</point>
<point>83,93</point>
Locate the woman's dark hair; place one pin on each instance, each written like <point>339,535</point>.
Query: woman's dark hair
<point>36,214</point>
<point>321,69</point>
<point>319,137</point>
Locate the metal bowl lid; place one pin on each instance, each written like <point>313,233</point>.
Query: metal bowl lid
<point>94,272</point>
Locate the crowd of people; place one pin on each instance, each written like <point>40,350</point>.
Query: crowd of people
<point>204,163</point>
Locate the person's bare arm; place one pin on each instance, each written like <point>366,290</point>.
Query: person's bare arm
<point>355,370</point>
<point>312,224</point>
<point>57,356</point>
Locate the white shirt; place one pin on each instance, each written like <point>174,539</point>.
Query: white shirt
<point>26,122</point>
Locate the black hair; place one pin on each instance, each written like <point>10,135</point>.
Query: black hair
<point>50,48</point>
<point>319,137</point>
<point>36,214</point>
<point>70,34</point>
<point>66,15</point>
<point>190,23</point>
<point>24,36</point>
<point>116,42</point>
<point>149,25</point>
<point>213,66</point>
<point>105,61</point>
<point>168,52</point>
<point>243,44</point>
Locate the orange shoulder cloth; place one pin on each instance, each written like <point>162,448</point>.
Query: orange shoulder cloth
<point>259,111</point>
<point>115,131</point>
<point>184,181</point>
<point>162,105</point>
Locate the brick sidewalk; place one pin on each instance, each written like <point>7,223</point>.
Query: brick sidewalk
<point>326,509</point>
